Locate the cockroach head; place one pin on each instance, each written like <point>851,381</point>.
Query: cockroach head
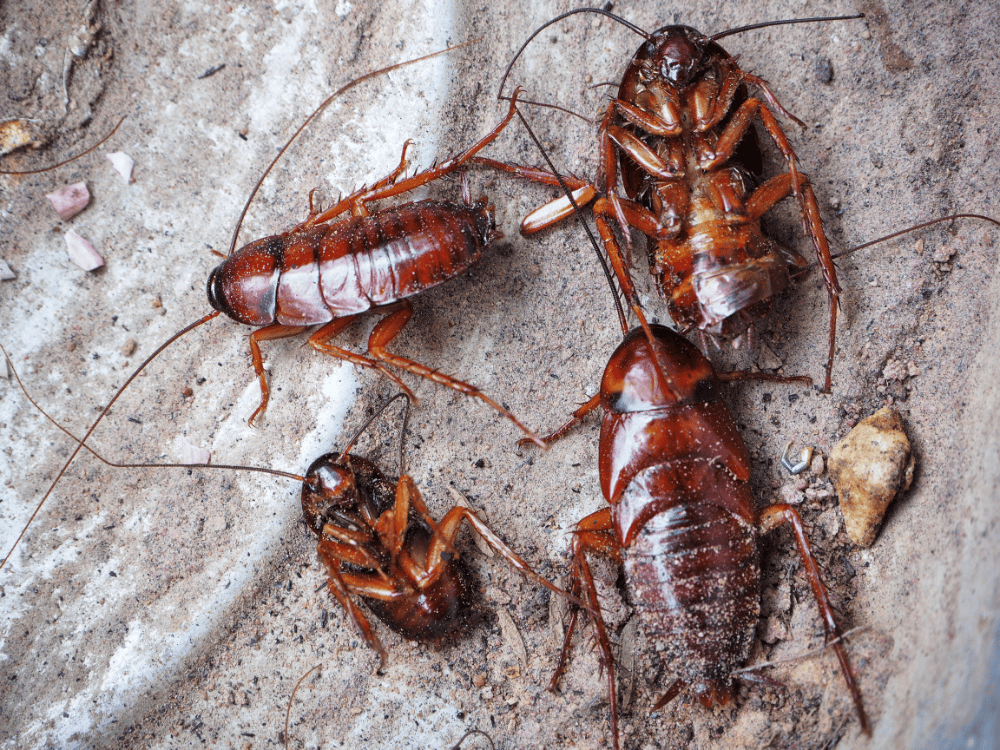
<point>329,486</point>
<point>675,53</point>
<point>245,285</point>
<point>637,379</point>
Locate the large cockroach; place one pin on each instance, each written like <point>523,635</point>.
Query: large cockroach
<point>680,134</point>
<point>682,521</point>
<point>329,273</point>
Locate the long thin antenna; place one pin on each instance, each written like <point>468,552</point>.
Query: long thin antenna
<point>318,110</point>
<point>900,233</point>
<point>100,416</point>
<point>72,158</point>
<point>106,462</point>
<point>540,29</point>
<point>786,22</point>
<point>924,225</point>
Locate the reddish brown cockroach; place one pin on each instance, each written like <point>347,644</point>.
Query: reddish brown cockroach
<point>329,273</point>
<point>377,540</point>
<point>682,521</point>
<point>680,133</point>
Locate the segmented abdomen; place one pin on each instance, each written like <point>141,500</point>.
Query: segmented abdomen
<point>694,574</point>
<point>351,266</point>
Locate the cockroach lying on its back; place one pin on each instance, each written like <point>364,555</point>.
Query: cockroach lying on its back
<point>378,541</point>
<point>680,134</point>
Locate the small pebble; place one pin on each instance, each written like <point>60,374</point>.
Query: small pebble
<point>894,370</point>
<point>479,680</point>
<point>192,454</point>
<point>817,493</point>
<point>791,495</point>
<point>943,254</point>
<point>818,465</point>
<point>775,630</point>
<point>123,164</point>
<point>869,467</point>
<point>69,200</point>
<point>129,348</point>
<point>823,70</point>
<point>81,252</point>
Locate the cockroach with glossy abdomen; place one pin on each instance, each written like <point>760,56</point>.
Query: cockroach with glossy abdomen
<point>680,135</point>
<point>331,272</point>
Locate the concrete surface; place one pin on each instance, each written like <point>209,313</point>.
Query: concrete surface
<point>173,609</point>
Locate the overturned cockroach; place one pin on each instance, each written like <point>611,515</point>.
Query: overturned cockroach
<point>377,539</point>
<point>680,134</point>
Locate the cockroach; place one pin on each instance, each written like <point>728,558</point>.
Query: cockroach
<point>680,135</point>
<point>377,539</point>
<point>330,273</point>
<point>681,521</point>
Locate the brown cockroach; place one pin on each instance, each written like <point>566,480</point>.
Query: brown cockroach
<point>682,521</point>
<point>330,273</point>
<point>377,539</point>
<point>680,134</point>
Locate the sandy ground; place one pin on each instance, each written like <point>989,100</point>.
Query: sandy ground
<point>175,609</point>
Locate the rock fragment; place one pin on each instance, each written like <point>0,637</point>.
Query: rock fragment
<point>69,200</point>
<point>869,467</point>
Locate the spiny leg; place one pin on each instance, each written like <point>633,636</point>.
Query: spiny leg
<point>342,593</point>
<point>267,333</point>
<point>578,416</point>
<point>594,533</point>
<point>766,196</point>
<point>812,224</point>
<point>770,518</point>
<point>320,341</point>
<point>398,314</point>
<point>355,202</point>
<point>388,189</point>
<point>449,527</point>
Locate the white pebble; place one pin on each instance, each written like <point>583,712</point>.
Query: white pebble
<point>82,252</point>
<point>123,163</point>
<point>192,454</point>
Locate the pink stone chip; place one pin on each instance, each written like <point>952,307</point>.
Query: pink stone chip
<point>192,454</point>
<point>70,200</point>
<point>82,252</point>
